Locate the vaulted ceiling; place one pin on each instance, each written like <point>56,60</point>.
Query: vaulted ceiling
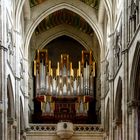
<point>64,16</point>
<point>92,3</point>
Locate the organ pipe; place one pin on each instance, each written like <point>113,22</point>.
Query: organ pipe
<point>64,80</point>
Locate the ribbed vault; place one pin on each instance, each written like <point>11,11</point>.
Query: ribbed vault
<point>92,3</point>
<point>64,16</point>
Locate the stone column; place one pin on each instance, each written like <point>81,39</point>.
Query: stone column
<point>26,99</point>
<point>103,93</point>
<point>17,83</point>
<point>111,86</point>
<point>117,127</point>
<point>17,107</point>
<point>124,54</point>
<point>133,119</point>
<point>3,77</point>
<point>3,94</point>
<point>129,123</point>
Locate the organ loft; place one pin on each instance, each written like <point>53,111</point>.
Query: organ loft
<point>64,92</point>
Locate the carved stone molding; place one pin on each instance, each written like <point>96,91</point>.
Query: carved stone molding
<point>12,122</point>
<point>23,134</point>
<point>116,122</point>
<point>134,9</point>
<point>2,47</point>
<point>133,104</point>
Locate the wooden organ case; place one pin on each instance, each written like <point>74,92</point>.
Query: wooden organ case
<point>64,93</point>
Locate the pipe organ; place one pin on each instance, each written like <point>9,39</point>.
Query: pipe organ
<point>64,92</point>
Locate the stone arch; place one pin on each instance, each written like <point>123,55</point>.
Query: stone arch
<point>118,111</point>
<point>19,7</point>
<point>48,7</point>
<point>135,90</point>
<point>134,94</point>
<point>22,5</point>
<point>68,31</point>
<point>118,102</point>
<point>108,7</point>
<point>105,6</point>
<point>80,40</point>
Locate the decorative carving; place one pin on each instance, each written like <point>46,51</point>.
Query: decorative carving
<point>88,128</point>
<point>23,134</point>
<point>12,122</point>
<point>42,127</point>
<point>65,125</point>
<point>107,69</point>
<point>134,8</point>
<point>133,104</point>
<point>134,15</point>
<point>106,76</point>
<point>116,123</point>
<point>118,46</point>
<point>10,43</point>
<point>21,69</point>
<point>78,128</point>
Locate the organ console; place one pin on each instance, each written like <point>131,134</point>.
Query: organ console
<point>65,92</point>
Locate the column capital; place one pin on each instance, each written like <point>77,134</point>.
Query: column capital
<point>133,104</point>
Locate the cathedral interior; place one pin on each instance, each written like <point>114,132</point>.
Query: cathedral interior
<point>69,69</point>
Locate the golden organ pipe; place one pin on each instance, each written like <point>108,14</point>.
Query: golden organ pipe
<point>53,105</point>
<point>87,105</point>
<point>94,69</point>
<point>34,68</point>
<point>51,74</point>
<point>90,57</point>
<point>49,67</point>
<point>58,69</point>
<point>38,58</point>
<point>80,74</point>
<point>79,69</point>
<point>83,57</point>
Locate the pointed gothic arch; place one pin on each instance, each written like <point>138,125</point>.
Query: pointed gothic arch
<point>118,102</point>
<point>134,95</point>
<point>49,8</point>
<point>68,31</point>
<point>134,73</point>
<point>118,111</point>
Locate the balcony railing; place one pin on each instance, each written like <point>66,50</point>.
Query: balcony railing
<point>78,128</point>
